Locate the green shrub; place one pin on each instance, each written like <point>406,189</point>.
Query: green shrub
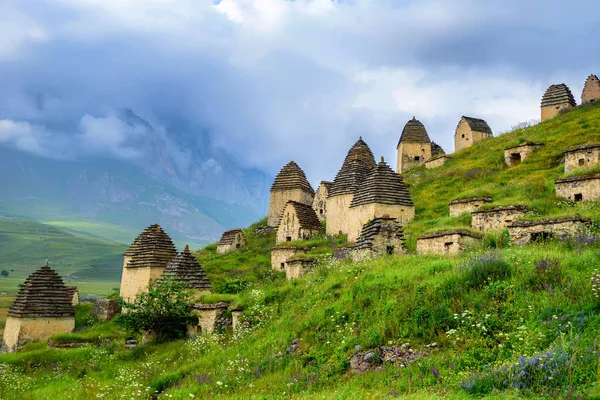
<point>480,270</point>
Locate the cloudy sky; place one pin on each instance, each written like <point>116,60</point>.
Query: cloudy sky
<point>275,80</point>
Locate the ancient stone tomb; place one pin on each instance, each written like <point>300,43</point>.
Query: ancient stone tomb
<point>186,268</point>
<point>437,161</point>
<point>320,201</point>
<point>515,155</point>
<point>497,218</point>
<point>297,267</point>
<point>212,317</point>
<point>579,188</point>
<point>289,184</point>
<point>470,131</point>
<point>523,232</point>
<point>298,222</point>
<point>461,206</point>
<point>414,146</point>
<point>42,308</point>
<point>379,237</point>
<point>556,99</point>
<point>106,309</point>
<point>145,260</point>
<point>231,240</point>
<point>591,89</point>
<point>446,242</point>
<point>281,254</point>
<point>582,157</point>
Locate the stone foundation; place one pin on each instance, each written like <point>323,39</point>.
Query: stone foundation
<point>582,157</point>
<point>523,232</point>
<point>297,267</point>
<point>20,331</point>
<point>552,111</point>
<point>135,280</point>
<point>436,162</point>
<point>461,206</point>
<point>212,317</point>
<point>280,255</point>
<point>446,242</point>
<point>579,188</point>
<point>496,218</point>
<point>514,155</point>
<point>105,309</point>
<point>360,215</point>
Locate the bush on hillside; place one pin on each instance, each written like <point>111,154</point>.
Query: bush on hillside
<point>164,310</point>
<point>480,270</point>
<point>546,275</point>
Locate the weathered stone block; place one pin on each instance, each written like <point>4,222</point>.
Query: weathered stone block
<point>514,155</point>
<point>106,309</point>
<point>211,317</point>
<point>523,232</point>
<point>579,188</point>
<point>20,331</point>
<point>298,267</point>
<point>436,162</point>
<point>231,240</point>
<point>280,255</point>
<point>496,218</point>
<point>582,157</point>
<point>446,242</point>
<point>461,206</point>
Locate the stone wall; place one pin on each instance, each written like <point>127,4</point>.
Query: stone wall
<point>19,331</point>
<point>465,137</point>
<point>135,280</point>
<point>412,155</point>
<point>523,232</point>
<point>496,218</point>
<point>446,243</point>
<point>461,206</point>
<point>579,188</point>
<point>515,155</point>
<point>337,213</point>
<point>360,215</point>
<point>297,267</point>
<point>279,199</point>
<point>280,255</point>
<point>582,158</point>
<point>320,202</point>
<point>436,162</point>
<point>549,112</point>
<point>289,228</point>
<point>106,309</point>
<point>236,319</point>
<point>212,317</point>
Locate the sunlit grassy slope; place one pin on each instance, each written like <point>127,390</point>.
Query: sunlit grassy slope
<point>507,322</point>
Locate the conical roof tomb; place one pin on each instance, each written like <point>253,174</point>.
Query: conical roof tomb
<point>42,308</point>
<point>556,98</point>
<point>289,184</point>
<point>414,146</point>
<point>382,186</point>
<point>358,163</point>
<point>43,294</point>
<point>186,268</point>
<point>150,252</point>
<point>591,89</point>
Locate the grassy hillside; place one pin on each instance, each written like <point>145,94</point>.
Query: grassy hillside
<point>497,321</point>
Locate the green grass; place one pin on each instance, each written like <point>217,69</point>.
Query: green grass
<point>493,311</point>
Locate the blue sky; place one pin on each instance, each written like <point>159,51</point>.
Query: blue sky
<point>275,80</point>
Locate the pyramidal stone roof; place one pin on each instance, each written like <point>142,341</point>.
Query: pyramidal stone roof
<point>228,237</point>
<point>307,217</point>
<point>152,248</point>
<point>558,94</point>
<point>43,295</point>
<point>382,186</point>
<point>371,229</point>
<point>436,150</point>
<point>358,163</point>
<point>292,177</point>
<point>414,132</point>
<point>478,125</point>
<point>185,268</point>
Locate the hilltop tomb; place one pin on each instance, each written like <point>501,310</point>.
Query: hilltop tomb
<point>298,222</point>
<point>289,184</point>
<point>461,206</point>
<point>591,90</point>
<point>281,254</point>
<point>211,317</point>
<point>379,237</point>
<point>383,192</point>
<point>146,259</point>
<point>582,157</point>
<point>497,218</point>
<point>470,131</point>
<point>579,188</point>
<point>320,201</point>
<point>231,240</point>
<point>556,99</point>
<point>186,268</point>
<point>43,307</point>
<point>515,155</point>
<point>357,165</point>
<point>414,146</point>
<point>523,232</point>
<point>296,267</point>
<point>446,242</point>
<point>437,161</point>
